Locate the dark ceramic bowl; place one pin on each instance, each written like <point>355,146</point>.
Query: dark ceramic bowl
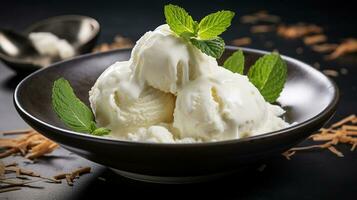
<point>309,97</point>
<point>80,31</point>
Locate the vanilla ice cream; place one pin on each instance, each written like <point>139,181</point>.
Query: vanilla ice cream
<point>171,92</point>
<point>166,62</point>
<point>49,44</point>
<point>223,106</point>
<point>115,108</point>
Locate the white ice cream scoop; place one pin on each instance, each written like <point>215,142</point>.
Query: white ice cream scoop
<point>222,106</point>
<point>114,109</point>
<point>165,61</point>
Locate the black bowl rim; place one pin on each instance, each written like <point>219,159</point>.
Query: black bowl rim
<point>94,22</point>
<point>331,107</point>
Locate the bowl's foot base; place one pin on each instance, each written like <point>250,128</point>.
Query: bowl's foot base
<point>171,180</point>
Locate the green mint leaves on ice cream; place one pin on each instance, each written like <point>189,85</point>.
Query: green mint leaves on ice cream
<point>235,62</point>
<point>268,73</point>
<point>205,34</point>
<point>72,111</point>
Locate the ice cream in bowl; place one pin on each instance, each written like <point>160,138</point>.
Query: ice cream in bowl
<point>178,95</point>
<point>179,106</point>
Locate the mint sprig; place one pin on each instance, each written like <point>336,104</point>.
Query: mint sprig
<point>72,111</point>
<point>178,19</point>
<point>213,47</point>
<point>203,35</point>
<point>214,24</point>
<point>268,74</point>
<point>235,62</point>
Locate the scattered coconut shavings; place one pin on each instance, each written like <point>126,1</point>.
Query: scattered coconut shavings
<point>7,185</point>
<point>288,154</point>
<point>351,118</point>
<point>29,144</point>
<point>346,47</point>
<point>341,132</point>
<point>242,41</point>
<point>8,153</point>
<point>80,171</point>
<point>2,190</point>
<point>298,31</point>
<point>21,172</point>
<point>69,180</point>
<point>330,72</point>
<point>314,39</point>
<point>13,183</point>
<point>24,177</point>
<point>324,48</point>
<point>119,42</point>
<point>2,169</point>
<point>11,164</point>
<point>262,28</point>
<point>60,176</point>
<point>335,151</point>
<point>70,177</point>
<point>10,132</point>
<point>261,16</point>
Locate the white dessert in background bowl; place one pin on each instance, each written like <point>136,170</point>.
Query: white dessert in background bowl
<point>48,44</point>
<point>171,92</point>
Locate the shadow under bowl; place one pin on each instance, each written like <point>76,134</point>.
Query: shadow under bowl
<point>309,97</point>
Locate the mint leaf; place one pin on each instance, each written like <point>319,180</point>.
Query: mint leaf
<point>268,74</point>
<point>179,20</point>
<point>70,109</point>
<point>195,27</point>
<point>214,47</point>
<point>214,24</point>
<point>235,62</point>
<point>101,131</point>
<point>187,35</point>
<point>203,35</point>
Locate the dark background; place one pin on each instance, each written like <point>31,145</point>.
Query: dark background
<point>309,175</point>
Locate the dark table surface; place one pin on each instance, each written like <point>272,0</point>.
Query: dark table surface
<point>309,175</point>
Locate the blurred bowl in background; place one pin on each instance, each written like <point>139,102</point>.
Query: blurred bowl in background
<point>81,32</point>
<point>18,52</point>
